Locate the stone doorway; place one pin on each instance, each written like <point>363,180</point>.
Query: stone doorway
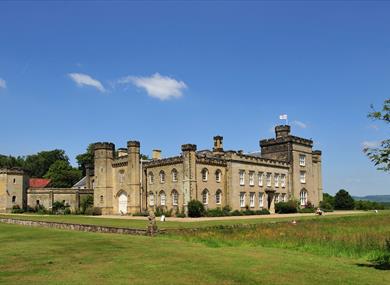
<point>122,206</point>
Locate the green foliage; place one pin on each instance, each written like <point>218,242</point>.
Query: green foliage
<point>382,259</point>
<point>368,205</point>
<point>380,155</point>
<point>326,206</point>
<point>60,208</point>
<point>86,159</point>
<point>40,209</point>
<point>161,210</point>
<point>195,209</point>
<point>306,210</point>
<point>62,174</point>
<point>141,214</point>
<point>93,211</point>
<point>328,199</point>
<point>85,203</point>
<point>286,207</point>
<point>219,212</point>
<point>16,209</point>
<point>343,201</point>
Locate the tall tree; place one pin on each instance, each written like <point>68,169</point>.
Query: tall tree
<point>86,158</point>
<point>62,174</point>
<point>343,201</point>
<point>37,165</point>
<point>380,155</point>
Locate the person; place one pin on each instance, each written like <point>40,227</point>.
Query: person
<point>319,212</point>
<point>162,218</point>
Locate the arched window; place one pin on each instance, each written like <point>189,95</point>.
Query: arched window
<point>205,196</point>
<point>151,177</point>
<point>162,176</point>
<point>101,198</point>
<point>13,199</point>
<point>218,175</point>
<point>218,197</point>
<point>205,174</point>
<point>175,198</point>
<point>162,198</point>
<point>151,199</point>
<point>121,176</point>
<point>303,197</point>
<point>174,175</point>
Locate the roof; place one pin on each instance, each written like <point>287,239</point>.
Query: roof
<point>81,184</point>
<point>38,182</point>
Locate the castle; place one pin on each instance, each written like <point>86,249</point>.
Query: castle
<point>123,183</point>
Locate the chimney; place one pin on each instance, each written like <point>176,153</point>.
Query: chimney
<point>122,152</point>
<point>282,131</point>
<point>156,154</point>
<point>218,144</point>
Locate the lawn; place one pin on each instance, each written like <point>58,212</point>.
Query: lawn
<point>50,256</point>
<point>142,224</point>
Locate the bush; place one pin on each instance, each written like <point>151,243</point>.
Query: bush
<point>326,206</point>
<point>40,209</point>
<point>93,211</point>
<point>85,203</point>
<point>141,214</point>
<point>218,212</point>
<point>306,210</point>
<point>368,205</point>
<point>161,210</point>
<point>67,211</point>
<point>343,201</point>
<point>262,212</point>
<point>286,207</point>
<point>16,209</point>
<point>236,213</point>
<point>382,260</point>
<point>195,209</point>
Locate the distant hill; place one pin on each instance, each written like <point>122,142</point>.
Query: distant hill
<point>374,198</point>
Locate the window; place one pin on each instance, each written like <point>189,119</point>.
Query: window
<point>175,198</point>
<point>151,178</point>
<point>218,175</point>
<point>242,199</point>
<point>276,180</point>
<point>269,179</point>
<point>302,160</point>
<point>151,199</point>
<point>251,178</point>
<point>260,199</point>
<point>276,198</point>
<point>37,203</point>
<point>303,177</point>
<point>205,174</point>
<point>252,199</point>
<point>162,198</point>
<point>101,199</point>
<point>13,199</point>
<point>283,180</point>
<point>14,181</point>
<point>303,197</point>
<point>93,184</point>
<point>162,176</point>
<point>174,175</point>
<point>260,178</point>
<point>242,177</point>
<point>284,198</point>
<point>218,197</point>
<point>205,196</point>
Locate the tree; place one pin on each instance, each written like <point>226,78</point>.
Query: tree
<point>329,199</point>
<point>86,158</point>
<point>343,201</point>
<point>195,209</point>
<point>37,165</point>
<point>62,174</point>
<point>380,155</point>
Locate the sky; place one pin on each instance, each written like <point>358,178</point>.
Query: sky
<point>168,73</point>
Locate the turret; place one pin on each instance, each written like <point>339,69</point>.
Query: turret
<point>218,144</point>
<point>134,174</point>
<point>189,173</point>
<point>282,131</point>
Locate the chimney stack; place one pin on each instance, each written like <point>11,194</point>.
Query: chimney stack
<point>218,144</point>
<point>156,154</point>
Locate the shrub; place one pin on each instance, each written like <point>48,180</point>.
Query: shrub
<point>286,207</point>
<point>343,201</point>
<point>16,209</point>
<point>195,209</point>
<point>368,205</point>
<point>326,206</point>
<point>141,214</point>
<point>93,211</point>
<point>306,210</point>
<point>382,260</point>
<point>67,211</point>
<point>236,213</point>
<point>248,212</point>
<point>218,212</point>
<point>180,215</point>
<point>58,207</point>
<point>85,203</point>
<point>161,210</point>
<point>40,209</point>
<point>262,212</point>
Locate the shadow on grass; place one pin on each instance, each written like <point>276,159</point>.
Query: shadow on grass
<point>376,266</point>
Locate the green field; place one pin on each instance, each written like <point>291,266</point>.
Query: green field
<point>315,251</point>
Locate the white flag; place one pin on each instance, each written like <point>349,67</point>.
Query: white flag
<point>283,117</point>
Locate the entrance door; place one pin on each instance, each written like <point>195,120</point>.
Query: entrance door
<point>122,203</point>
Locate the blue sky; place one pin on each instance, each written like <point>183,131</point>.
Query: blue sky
<point>181,72</point>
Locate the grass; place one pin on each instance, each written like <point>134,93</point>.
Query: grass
<point>351,236</point>
<point>142,224</point>
<point>50,256</point>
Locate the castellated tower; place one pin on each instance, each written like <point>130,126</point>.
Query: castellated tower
<point>103,192</point>
<point>305,164</point>
<point>189,174</point>
<point>134,175</point>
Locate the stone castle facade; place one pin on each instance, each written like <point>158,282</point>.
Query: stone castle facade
<point>287,168</point>
<point>122,183</point>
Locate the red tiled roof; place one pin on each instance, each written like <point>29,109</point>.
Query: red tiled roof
<point>38,182</point>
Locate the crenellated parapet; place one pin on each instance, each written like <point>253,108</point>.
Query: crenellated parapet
<point>163,162</point>
<point>103,146</point>
<point>11,171</point>
<point>240,157</point>
<point>211,161</point>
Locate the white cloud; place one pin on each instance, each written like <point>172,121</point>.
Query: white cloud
<point>299,124</point>
<point>370,144</point>
<point>3,84</point>
<point>84,79</point>
<point>157,86</point>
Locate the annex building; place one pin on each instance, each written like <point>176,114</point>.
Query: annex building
<point>286,168</point>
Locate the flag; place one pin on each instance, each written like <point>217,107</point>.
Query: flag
<point>283,117</point>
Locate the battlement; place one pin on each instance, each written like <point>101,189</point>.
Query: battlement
<point>188,147</point>
<point>133,144</point>
<point>11,171</point>
<point>103,145</point>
